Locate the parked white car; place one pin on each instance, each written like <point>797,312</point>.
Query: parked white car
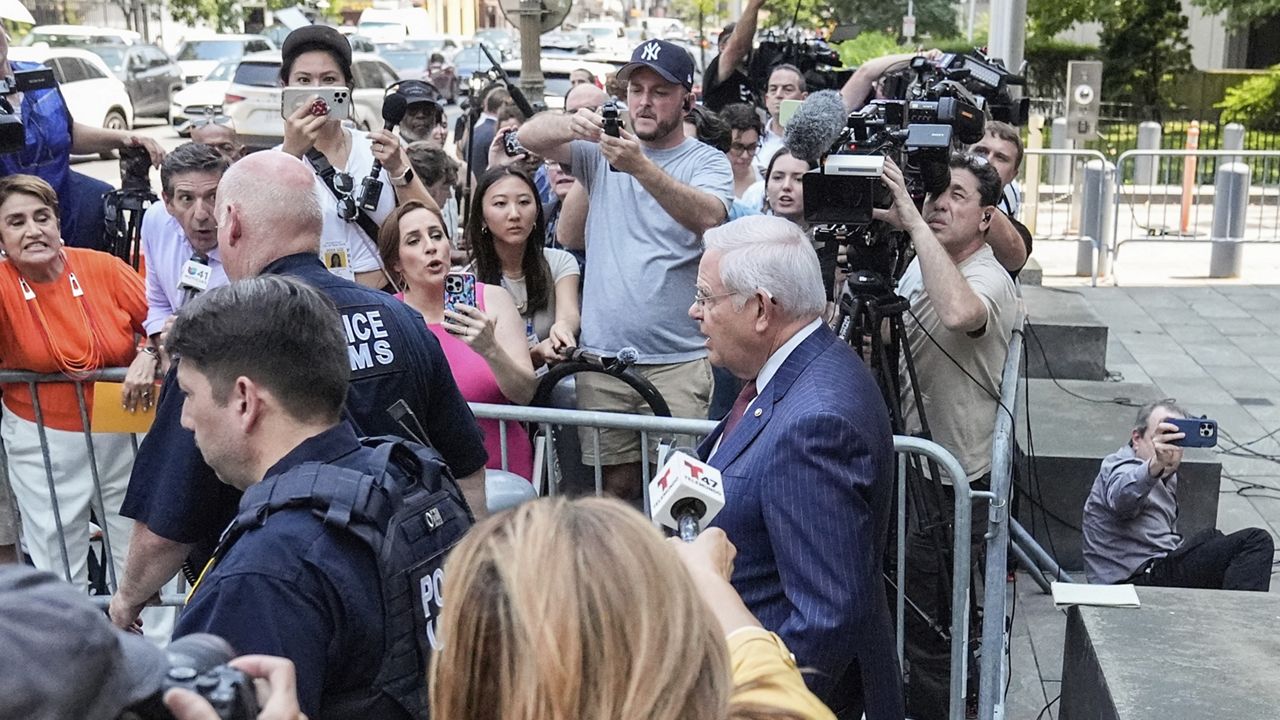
<point>199,55</point>
<point>252,99</point>
<point>94,95</point>
<point>79,35</point>
<point>202,98</point>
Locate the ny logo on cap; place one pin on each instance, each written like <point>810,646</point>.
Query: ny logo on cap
<point>650,51</point>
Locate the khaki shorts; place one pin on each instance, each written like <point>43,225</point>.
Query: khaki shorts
<point>685,386</point>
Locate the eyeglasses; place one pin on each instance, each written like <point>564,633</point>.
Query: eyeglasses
<point>742,149</point>
<point>203,120</point>
<point>702,300</point>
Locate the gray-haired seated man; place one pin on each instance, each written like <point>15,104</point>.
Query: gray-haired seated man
<point>1131,520</point>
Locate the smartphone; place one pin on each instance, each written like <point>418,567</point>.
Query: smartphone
<point>1200,432</point>
<point>511,145</point>
<point>332,101</point>
<point>787,110</point>
<point>459,289</point>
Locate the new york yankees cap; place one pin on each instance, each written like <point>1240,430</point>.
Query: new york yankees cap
<point>669,60</point>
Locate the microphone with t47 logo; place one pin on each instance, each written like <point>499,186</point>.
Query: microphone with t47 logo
<point>685,494</point>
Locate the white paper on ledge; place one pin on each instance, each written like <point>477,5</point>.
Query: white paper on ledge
<point>1123,596</point>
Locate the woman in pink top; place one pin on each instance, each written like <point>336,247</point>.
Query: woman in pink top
<point>485,345</point>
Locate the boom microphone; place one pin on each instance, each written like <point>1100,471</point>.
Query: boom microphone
<point>685,494</point>
<point>816,125</point>
<point>517,97</point>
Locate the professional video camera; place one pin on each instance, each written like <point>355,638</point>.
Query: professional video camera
<point>12,135</point>
<point>928,110</point>
<point>816,60</point>
<point>123,209</point>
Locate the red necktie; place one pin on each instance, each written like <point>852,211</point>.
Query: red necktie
<point>739,408</point>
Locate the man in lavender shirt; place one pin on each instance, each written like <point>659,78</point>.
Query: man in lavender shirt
<point>1131,520</point>
<point>181,229</point>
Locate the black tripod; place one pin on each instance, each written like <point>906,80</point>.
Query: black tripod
<point>123,211</point>
<point>871,319</point>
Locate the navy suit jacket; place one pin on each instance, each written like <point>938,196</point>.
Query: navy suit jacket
<point>808,481</point>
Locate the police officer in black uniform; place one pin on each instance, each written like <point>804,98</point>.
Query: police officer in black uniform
<point>395,361</point>
<point>294,586</point>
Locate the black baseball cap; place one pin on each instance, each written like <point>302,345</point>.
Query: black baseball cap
<point>669,60</point>
<point>416,92</point>
<point>315,37</point>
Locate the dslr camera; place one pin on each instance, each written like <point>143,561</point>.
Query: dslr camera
<point>198,663</point>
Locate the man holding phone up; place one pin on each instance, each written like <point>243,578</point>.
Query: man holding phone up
<point>652,195</point>
<point>1131,520</point>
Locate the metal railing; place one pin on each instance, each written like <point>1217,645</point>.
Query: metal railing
<point>662,428</point>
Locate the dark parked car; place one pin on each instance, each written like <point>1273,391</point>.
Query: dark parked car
<point>148,73</point>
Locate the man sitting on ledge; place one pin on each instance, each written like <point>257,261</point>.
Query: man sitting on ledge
<point>1131,517</point>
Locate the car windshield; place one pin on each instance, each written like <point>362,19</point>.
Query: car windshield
<point>111,55</point>
<point>405,59</point>
<point>224,71</point>
<point>258,74</point>
<point>211,50</point>
<point>72,39</point>
<point>426,46</point>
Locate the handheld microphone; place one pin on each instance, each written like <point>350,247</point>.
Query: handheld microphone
<point>685,494</point>
<point>393,109</point>
<point>195,276</point>
<point>817,124</point>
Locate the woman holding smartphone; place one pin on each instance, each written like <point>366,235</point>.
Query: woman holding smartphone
<point>483,340</point>
<point>508,248</point>
<point>319,57</point>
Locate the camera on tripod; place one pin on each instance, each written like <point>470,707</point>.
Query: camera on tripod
<point>930,110</point>
<point>13,136</point>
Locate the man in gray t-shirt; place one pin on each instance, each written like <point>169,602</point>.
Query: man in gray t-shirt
<point>644,228</point>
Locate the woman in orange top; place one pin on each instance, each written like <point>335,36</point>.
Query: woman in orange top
<point>70,311</point>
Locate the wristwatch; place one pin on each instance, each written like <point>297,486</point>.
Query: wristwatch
<point>405,178</point>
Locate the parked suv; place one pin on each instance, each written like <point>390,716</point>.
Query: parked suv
<point>198,56</point>
<point>149,74</point>
<point>253,97</point>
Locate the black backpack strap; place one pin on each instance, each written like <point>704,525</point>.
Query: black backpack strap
<point>326,172</point>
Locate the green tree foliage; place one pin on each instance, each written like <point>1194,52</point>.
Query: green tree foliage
<point>1254,102</point>
<point>868,46</point>
<point>1241,13</point>
<point>1145,50</point>
<point>1144,44</point>
<point>936,18</point>
<point>225,16</point>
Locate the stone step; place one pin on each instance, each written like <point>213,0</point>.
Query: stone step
<point>1070,436</point>
<point>1066,338</point>
<point>1031,274</point>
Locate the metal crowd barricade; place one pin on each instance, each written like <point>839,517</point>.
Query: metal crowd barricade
<point>1052,181</point>
<point>994,665</point>
<point>648,425</point>
<point>1178,204</point>
<point>33,381</point>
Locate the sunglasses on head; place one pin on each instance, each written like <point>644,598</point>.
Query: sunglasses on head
<point>203,120</point>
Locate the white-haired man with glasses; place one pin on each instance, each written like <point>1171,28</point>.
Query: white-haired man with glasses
<point>807,459</point>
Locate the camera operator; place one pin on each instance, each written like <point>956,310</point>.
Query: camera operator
<point>1001,145</point>
<point>860,88</point>
<point>958,328</point>
<point>726,80</point>
<point>786,82</point>
<point>652,195</point>
<point>52,137</point>
<point>63,660</point>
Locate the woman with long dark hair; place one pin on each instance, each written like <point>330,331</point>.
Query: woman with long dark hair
<point>507,233</point>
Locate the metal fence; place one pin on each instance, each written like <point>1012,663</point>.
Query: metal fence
<point>1159,195</point>
<point>661,429</point>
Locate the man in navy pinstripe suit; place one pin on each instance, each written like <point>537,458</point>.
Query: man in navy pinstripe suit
<point>807,457</point>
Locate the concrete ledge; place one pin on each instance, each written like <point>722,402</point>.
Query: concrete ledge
<point>1072,436</point>
<point>1183,655</point>
<point>1031,275</point>
<point>1067,339</point>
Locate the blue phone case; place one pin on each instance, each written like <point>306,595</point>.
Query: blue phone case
<point>1200,432</point>
<point>459,289</point>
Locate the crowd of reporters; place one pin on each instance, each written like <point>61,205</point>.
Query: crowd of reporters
<point>582,236</point>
